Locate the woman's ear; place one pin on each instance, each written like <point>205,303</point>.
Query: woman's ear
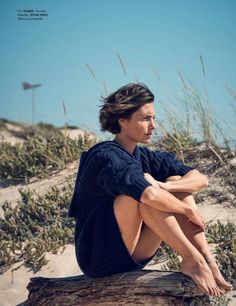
<point>122,122</point>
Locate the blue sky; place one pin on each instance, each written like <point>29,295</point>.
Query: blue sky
<point>161,35</point>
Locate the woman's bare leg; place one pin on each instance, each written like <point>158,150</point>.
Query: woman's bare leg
<point>141,242</point>
<point>129,215</point>
<point>198,239</point>
<point>165,225</point>
<point>147,244</point>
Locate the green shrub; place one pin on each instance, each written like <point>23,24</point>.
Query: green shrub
<point>224,235</point>
<point>36,225</point>
<point>173,262</point>
<point>39,155</point>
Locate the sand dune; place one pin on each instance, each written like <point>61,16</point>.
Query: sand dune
<point>13,285</point>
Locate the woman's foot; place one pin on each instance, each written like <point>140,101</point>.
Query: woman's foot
<point>221,282</point>
<point>202,276</point>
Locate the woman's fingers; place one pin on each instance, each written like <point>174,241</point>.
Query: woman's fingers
<point>151,180</point>
<point>197,219</point>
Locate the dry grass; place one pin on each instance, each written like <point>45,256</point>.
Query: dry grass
<point>190,123</point>
<point>39,155</point>
<point>122,64</point>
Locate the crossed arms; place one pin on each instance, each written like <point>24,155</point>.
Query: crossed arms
<point>160,196</point>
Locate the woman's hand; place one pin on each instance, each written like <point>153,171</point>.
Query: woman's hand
<point>191,182</point>
<point>151,180</point>
<point>155,183</point>
<point>195,217</point>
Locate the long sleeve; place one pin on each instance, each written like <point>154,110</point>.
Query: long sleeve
<point>122,177</point>
<point>165,164</point>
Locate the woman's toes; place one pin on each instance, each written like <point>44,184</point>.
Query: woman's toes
<point>219,291</point>
<point>221,282</point>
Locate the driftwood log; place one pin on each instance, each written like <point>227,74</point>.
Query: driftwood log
<point>142,287</point>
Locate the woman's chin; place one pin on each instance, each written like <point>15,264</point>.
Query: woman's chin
<point>145,141</point>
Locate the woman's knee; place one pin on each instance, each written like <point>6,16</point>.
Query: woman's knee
<point>152,181</point>
<point>179,195</point>
<point>173,178</point>
<point>146,210</point>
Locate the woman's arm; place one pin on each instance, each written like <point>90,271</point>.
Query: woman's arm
<point>163,200</point>
<point>191,182</point>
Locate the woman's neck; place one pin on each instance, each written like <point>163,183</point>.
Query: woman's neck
<point>126,143</point>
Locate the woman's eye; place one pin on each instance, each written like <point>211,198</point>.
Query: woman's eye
<point>148,118</point>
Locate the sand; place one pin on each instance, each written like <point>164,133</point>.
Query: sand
<point>13,285</point>
<point>13,289</point>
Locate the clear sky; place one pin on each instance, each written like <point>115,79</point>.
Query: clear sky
<point>160,35</point>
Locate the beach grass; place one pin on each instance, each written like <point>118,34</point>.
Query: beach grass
<point>44,151</point>
<point>37,224</point>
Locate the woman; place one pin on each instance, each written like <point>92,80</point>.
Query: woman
<point>128,199</point>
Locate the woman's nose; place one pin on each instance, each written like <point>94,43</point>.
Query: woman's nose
<point>152,124</point>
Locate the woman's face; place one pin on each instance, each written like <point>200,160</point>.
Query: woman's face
<point>140,126</point>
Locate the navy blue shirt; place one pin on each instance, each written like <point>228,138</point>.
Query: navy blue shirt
<point>107,170</point>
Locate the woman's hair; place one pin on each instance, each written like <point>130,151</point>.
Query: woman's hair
<point>122,104</point>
